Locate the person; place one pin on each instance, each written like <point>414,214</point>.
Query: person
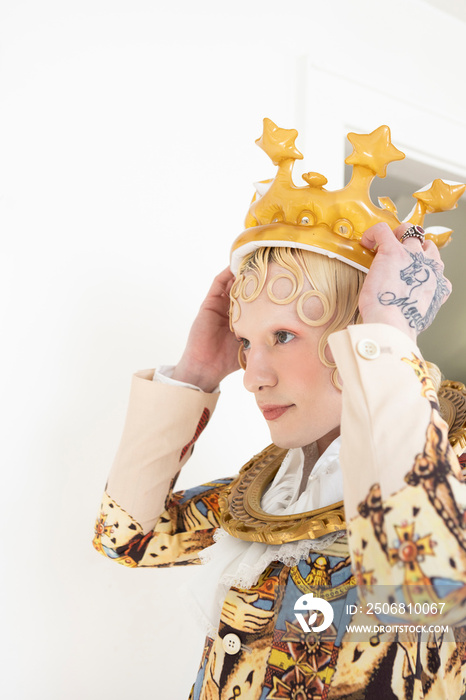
<point>323,317</point>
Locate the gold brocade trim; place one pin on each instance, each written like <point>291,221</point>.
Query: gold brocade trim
<point>241,514</point>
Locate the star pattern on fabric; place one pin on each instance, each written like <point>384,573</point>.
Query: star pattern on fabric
<point>278,143</point>
<point>373,151</point>
<point>299,683</point>
<point>310,648</point>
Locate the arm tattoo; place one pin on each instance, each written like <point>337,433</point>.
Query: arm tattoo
<point>416,275</point>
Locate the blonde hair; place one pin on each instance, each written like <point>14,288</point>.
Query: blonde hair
<point>336,285</point>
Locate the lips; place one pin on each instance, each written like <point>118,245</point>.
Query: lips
<point>272,412</point>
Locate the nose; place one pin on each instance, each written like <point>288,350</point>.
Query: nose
<point>259,372</point>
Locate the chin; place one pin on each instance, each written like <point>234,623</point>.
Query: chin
<point>286,441</point>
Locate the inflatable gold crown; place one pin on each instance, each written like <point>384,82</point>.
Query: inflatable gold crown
<point>332,222</point>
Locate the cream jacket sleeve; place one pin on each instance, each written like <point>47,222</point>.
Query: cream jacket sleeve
<point>162,424</point>
<point>405,500</point>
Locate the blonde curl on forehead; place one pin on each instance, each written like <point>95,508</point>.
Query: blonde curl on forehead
<point>334,283</point>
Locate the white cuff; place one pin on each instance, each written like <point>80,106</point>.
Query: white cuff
<point>164,376</point>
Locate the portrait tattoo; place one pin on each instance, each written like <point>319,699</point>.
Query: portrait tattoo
<point>415,276</point>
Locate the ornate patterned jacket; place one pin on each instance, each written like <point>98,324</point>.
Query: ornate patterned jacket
<point>405,505</point>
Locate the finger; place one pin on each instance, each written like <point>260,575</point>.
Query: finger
<point>428,246</point>
<point>229,285</point>
<point>221,281</point>
<point>413,244</point>
<point>379,236</point>
<point>401,229</point>
<point>224,276</point>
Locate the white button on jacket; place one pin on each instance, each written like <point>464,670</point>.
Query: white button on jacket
<point>231,643</point>
<point>368,349</point>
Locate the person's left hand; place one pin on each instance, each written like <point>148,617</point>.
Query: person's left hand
<point>405,286</point>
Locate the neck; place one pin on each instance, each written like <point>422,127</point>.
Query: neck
<point>312,453</point>
<point>324,442</point>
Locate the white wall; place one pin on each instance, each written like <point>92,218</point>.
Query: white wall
<point>127,159</point>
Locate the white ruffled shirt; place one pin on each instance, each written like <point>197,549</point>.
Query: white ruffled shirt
<point>234,562</point>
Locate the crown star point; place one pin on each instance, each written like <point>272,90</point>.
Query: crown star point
<point>440,196</point>
<point>278,143</point>
<point>374,151</point>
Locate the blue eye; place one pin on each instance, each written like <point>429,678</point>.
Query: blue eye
<point>284,337</point>
<point>245,343</point>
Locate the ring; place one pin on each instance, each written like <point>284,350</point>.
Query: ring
<point>414,232</point>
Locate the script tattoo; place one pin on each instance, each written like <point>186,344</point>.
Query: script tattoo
<point>416,275</point>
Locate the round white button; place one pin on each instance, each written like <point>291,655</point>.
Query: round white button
<point>231,643</point>
<point>368,349</point>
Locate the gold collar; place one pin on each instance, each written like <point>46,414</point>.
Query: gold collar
<point>241,514</point>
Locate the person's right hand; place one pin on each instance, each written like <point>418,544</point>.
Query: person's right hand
<point>211,352</point>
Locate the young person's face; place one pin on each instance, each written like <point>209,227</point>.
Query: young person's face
<point>292,387</point>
